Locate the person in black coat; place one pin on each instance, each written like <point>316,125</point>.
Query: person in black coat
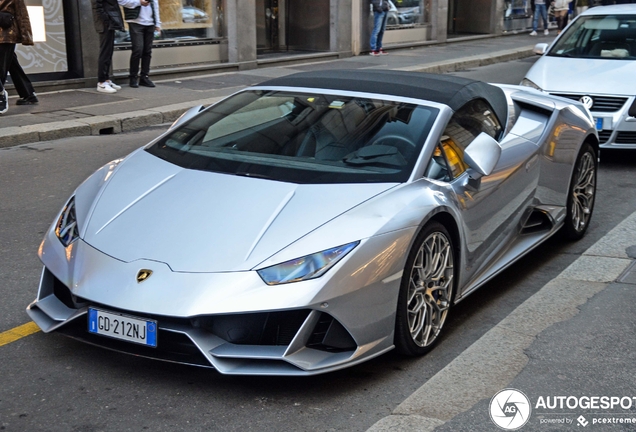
<point>107,18</point>
<point>22,84</point>
<point>15,28</point>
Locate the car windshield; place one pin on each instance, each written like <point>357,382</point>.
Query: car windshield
<point>302,138</point>
<point>602,37</point>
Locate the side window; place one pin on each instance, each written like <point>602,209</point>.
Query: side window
<point>469,121</point>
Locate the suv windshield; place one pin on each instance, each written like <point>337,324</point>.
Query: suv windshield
<point>302,138</point>
<point>604,36</point>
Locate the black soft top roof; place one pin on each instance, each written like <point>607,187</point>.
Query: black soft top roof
<point>446,89</point>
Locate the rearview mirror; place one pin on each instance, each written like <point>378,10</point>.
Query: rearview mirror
<point>482,155</point>
<point>540,48</point>
<point>187,116</point>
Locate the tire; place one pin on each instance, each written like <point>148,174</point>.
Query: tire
<point>426,291</point>
<point>581,195</point>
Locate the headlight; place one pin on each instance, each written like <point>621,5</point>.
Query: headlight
<point>307,267</point>
<point>66,226</point>
<point>526,82</point>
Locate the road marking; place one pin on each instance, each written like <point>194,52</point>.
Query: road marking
<point>18,333</point>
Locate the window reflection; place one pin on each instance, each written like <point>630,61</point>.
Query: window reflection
<point>186,20</point>
<point>407,13</point>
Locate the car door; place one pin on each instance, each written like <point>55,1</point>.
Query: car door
<point>493,207</point>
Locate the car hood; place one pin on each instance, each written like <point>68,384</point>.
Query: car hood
<point>197,221</point>
<point>565,75</point>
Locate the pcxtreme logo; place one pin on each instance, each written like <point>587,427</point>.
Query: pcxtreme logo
<point>510,409</point>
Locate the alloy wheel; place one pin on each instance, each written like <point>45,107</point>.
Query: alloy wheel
<point>430,289</point>
<point>583,192</point>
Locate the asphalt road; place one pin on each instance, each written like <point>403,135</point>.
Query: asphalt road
<point>51,383</point>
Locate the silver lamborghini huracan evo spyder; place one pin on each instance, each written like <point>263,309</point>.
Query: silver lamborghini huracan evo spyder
<point>315,221</point>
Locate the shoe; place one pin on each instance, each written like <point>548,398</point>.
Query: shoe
<point>113,85</point>
<point>145,81</point>
<point>375,53</point>
<point>105,88</point>
<point>134,82</point>
<point>546,32</point>
<point>4,102</point>
<point>29,100</point>
<point>382,52</point>
<point>534,33</point>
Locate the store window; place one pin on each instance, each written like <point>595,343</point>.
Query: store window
<point>408,13</point>
<point>48,54</point>
<point>517,15</point>
<point>186,21</point>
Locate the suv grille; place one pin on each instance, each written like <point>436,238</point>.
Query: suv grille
<point>604,136</point>
<point>601,103</point>
<point>625,138</point>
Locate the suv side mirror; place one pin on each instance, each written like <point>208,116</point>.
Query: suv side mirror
<point>482,155</point>
<point>540,48</point>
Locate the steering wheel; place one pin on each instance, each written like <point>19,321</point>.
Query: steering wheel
<point>404,145</point>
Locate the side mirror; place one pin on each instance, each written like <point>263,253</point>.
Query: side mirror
<point>540,48</point>
<point>482,155</point>
<point>187,116</point>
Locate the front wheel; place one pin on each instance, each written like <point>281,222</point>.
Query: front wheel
<point>426,291</point>
<point>582,193</point>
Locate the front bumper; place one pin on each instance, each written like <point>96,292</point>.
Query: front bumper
<point>233,321</point>
<point>290,342</point>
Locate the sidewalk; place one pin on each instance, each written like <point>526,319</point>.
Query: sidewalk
<point>572,339</point>
<point>82,112</point>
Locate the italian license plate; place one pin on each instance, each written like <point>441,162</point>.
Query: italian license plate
<point>599,123</point>
<point>123,327</point>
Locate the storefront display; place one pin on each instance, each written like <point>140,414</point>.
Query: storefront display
<point>517,15</point>
<point>407,13</point>
<point>187,21</point>
<point>49,52</point>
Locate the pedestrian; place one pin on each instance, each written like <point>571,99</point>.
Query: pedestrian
<point>581,6</point>
<point>143,21</point>
<point>15,27</point>
<point>561,10</point>
<point>22,84</point>
<point>107,18</point>
<point>380,13</point>
<point>540,10</point>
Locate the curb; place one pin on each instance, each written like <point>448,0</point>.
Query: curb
<point>472,62</point>
<point>494,360</point>
<point>125,122</point>
<point>96,125</point>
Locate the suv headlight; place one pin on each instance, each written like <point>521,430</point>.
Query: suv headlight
<point>526,82</point>
<point>66,226</point>
<point>305,268</point>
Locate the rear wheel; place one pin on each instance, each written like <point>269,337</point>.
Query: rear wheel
<point>426,291</point>
<point>582,193</point>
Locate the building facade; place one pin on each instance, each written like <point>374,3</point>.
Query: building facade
<point>204,36</point>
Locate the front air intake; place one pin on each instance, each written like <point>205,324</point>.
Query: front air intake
<point>265,328</point>
<point>330,335</point>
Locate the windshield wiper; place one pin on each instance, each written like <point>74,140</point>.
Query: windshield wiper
<point>376,154</point>
<point>253,175</point>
